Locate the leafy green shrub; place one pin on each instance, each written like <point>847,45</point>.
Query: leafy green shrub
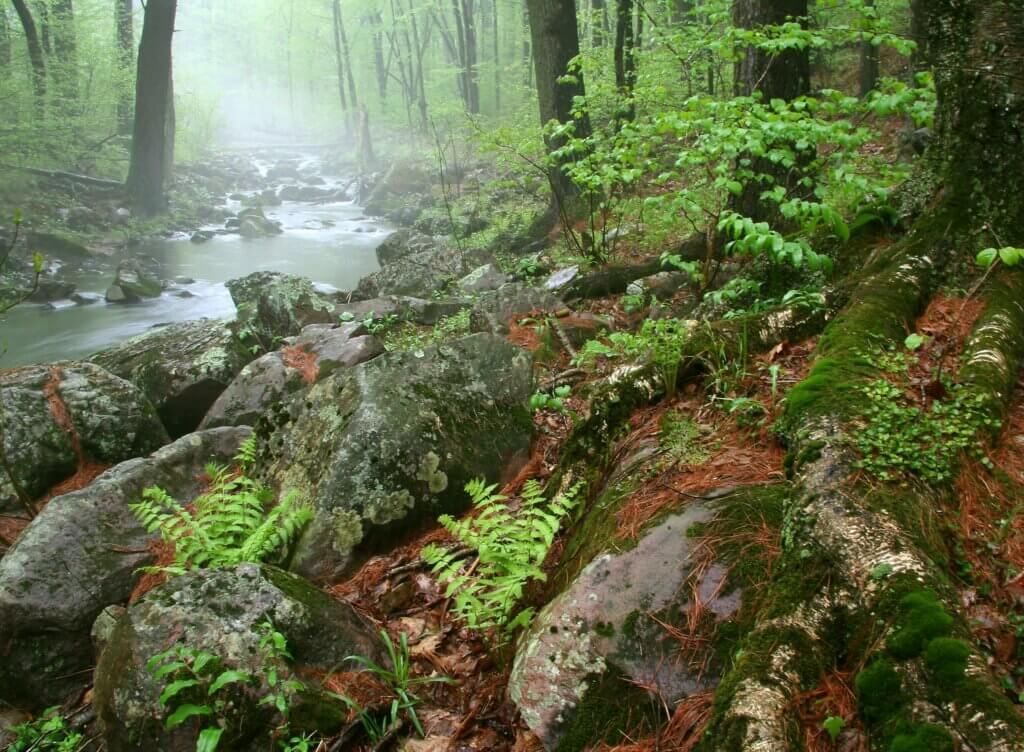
<point>511,544</point>
<point>231,522</point>
<point>663,339</point>
<point>47,733</point>
<point>554,402</point>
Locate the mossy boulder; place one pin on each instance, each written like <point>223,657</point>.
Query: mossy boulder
<point>252,223</point>
<point>576,671</point>
<point>80,555</point>
<point>388,445</point>
<point>403,243</point>
<point>272,306</point>
<point>421,274</point>
<point>58,417</point>
<point>133,282</point>
<point>182,368</point>
<point>494,311</point>
<point>221,611</point>
<point>311,357</point>
<point>402,181</point>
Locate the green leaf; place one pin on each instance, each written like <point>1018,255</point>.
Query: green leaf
<point>175,688</point>
<point>834,726</point>
<point>184,712</point>
<point>1010,256</point>
<point>987,257</point>
<point>228,677</point>
<point>914,341</point>
<point>208,739</point>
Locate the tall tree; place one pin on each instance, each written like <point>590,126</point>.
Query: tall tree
<point>65,48</point>
<point>126,63</point>
<point>554,35</point>
<point>598,22</point>
<point>339,62</point>
<point>5,38</point>
<point>785,75</point>
<point>35,53</point>
<point>868,60</point>
<point>625,58</point>
<point>153,132</point>
<point>919,34</point>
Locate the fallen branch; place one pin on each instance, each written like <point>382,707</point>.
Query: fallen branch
<point>71,176</point>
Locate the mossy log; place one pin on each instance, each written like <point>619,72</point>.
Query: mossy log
<point>863,578</point>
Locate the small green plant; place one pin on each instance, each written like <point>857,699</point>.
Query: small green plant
<point>833,726</point>
<point>231,523</point>
<point>664,340</point>
<point>681,438</point>
<point>554,402</point>
<point>379,325</point>
<point>400,680</point>
<point>47,733</point>
<point>511,543</point>
<point>197,685</point>
<point>1008,255</point>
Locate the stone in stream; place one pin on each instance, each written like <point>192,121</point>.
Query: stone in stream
<point>311,357</point>
<point>401,183</point>
<point>132,283</point>
<point>182,368</point>
<point>56,418</point>
<point>222,611</point>
<point>50,289</point>
<point>388,445</point>
<point>403,243</point>
<point>252,223</point>
<point>80,555</point>
<point>579,669</point>
<point>272,306</point>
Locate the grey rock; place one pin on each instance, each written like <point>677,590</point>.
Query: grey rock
<point>662,285</point>
<point>111,421</point>
<point>252,223</point>
<point>220,611</point>
<point>272,306</point>
<point>495,310</point>
<point>403,243</point>
<point>50,289</point>
<point>421,274</point>
<point>133,282</point>
<point>561,279</point>
<point>381,447</point>
<point>483,279</point>
<point>86,298</point>
<point>80,555</point>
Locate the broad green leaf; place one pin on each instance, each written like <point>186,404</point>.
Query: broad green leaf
<point>208,739</point>
<point>228,677</point>
<point>987,257</point>
<point>184,712</point>
<point>175,688</point>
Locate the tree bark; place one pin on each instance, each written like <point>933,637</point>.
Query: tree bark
<point>339,62</point>
<point>868,62</point>
<point>625,58</point>
<point>65,47</point>
<point>126,64</point>
<point>919,34</point>
<point>555,41</point>
<point>5,38</point>
<point>35,54</point>
<point>152,138</point>
<point>598,22</point>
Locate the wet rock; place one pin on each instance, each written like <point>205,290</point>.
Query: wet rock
<point>182,368</point>
<point>120,216</point>
<point>61,244</point>
<point>418,310</point>
<point>284,170</point>
<point>384,446</point>
<point>403,243</point>
<point>252,223</point>
<point>392,191</point>
<point>180,280</point>
<point>133,282</point>
<point>494,311</point>
<point>269,197</point>
<point>109,419</point>
<point>50,289</point>
<point>561,279</point>
<point>86,298</point>
<point>588,651</point>
<point>482,279</point>
<point>202,236</point>
<point>313,356</point>
<point>80,555</point>
<point>272,306</point>
<point>220,611</point>
<point>82,218</point>
<point>662,285</point>
<point>421,274</point>
<point>303,193</point>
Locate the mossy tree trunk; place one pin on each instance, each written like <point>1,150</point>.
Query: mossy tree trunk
<point>863,580</point>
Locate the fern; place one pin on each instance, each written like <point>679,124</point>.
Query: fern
<point>234,521</point>
<point>511,543</point>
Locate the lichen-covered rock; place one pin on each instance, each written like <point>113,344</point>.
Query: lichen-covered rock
<point>393,190</point>
<point>311,357</point>
<point>482,279</point>
<point>182,368</point>
<point>662,285</point>
<point>272,306</point>
<point>252,223</point>
<point>580,665</point>
<point>80,555</point>
<point>133,282</point>
<point>58,417</point>
<point>421,274</point>
<point>427,312</point>
<point>219,611</point>
<point>494,310</point>
<point>381,447</point>
<point>403,243</point>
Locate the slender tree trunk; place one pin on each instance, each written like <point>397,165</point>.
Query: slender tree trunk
<point>65,47</point>
<point>868,62</point>
<point>35,54</point>
<point>338,59</point>
<point>555,41</point>
<point>419,78</point>
<point>919,34</point>
<point>5,38</point>
<point>785,76</point>
<point>625,58</point>
<point>151,135</point>
<point>126,63</point>
<point>43,11</point>
<point>496,51</point>
<point>378,57</point>
<point>598,22</point>
<point>347,56</point>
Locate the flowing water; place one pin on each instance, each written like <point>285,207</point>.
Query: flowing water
<point>331,244</point>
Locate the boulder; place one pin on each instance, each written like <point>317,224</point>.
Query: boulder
<point>220,611</point>
<point>561,279</point>
<point>383,447</point>
<point>65,245</point>
<point>421,274</point>
<point>132,283</point>
<point>252,223</point>
<point>662,285</point>
<point>50,289</point>
<point>399,183</point>
<point>495,310</point>
<point>313,356</point>
<point>418,310</point>
<point>403,243</point>
<point>272,306</point>
<point>483,279</point>
<point>58,418</point>
<point>80,555</point>
<point>86,298</point>
<point>182,368</point>
<point>579,669</point>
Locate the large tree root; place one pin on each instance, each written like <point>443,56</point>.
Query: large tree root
<point>863,566</point>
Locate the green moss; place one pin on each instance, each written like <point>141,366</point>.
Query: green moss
<point>922,618</point>
<point>610,710</point>
<point>879,691</point>
<point>629,626</point>
<point>605,629</point>
<point>925,738</point>
<point>946,657</point>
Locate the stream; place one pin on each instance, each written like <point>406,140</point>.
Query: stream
<point>332,244</point>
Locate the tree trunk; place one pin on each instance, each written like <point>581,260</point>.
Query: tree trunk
<point>868,62</point>
<point>347,57</point>
<point>151,137</point>
<point>555,40</point>
<point>35,54</point>
<point>339,62</point>
<point>65,47</point>
<point>856,551</point>
<point>5,38</point>
<point>783,76</point>
<point>496,53</point>
<point>472,56</point>
<point>126,64</point>
<point>919,34</point>
<point>598,22</point>
<point>625,58</point>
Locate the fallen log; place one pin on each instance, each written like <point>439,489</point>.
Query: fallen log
<point>70,176</point>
